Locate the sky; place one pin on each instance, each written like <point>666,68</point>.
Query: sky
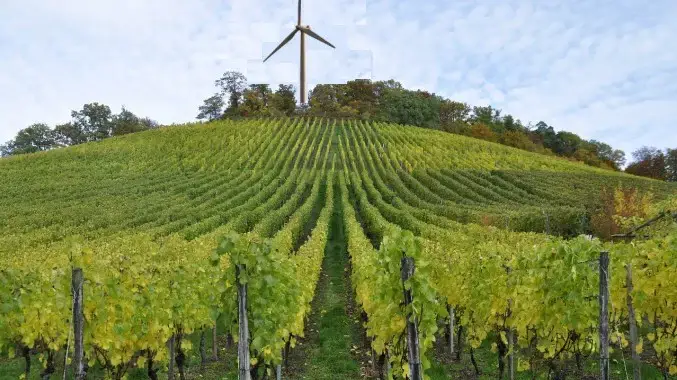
<point>604,69</point>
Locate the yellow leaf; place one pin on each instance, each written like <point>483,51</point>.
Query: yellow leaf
<point>405,369</point>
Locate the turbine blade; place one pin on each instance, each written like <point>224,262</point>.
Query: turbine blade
<point>284,42</point>
<point>317,37</point>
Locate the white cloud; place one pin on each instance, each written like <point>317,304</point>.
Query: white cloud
<point>605,70</point>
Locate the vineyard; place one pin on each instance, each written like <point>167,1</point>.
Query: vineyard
<point>168,225</point>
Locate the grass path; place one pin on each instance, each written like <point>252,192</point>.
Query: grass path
<point>326,353</point>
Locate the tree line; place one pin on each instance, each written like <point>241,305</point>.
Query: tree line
<point>388,101</point>
<point>93,122</point>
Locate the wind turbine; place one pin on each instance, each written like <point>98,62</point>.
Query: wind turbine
<point>304,29</point>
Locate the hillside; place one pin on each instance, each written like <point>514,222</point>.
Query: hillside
<point>143,214</point>
<point>179,179</point>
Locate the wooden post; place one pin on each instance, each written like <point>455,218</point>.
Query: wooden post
<point>215,346</point>
<point>180,354</point>
<point>49,369</point>
<point>413,349</point>
<point>373,358</point>
<point>278,368</point>
<point>78,324</point>
<point>637,375</point>
<point>26,352</point>
<point>510,335</point>
<point>203,349</point>
<point>511,355</point>
<point>604,315</point>
<point>243,326</point>
<point>172,355</point>
<point>287,348</point>
<point>452,319</point>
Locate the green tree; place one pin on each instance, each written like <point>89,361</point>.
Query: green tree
<point>605,152</point>
<point>212,108</point>
<point>454,116</point>
<point>126,122</point>
<point>149,123</point>
<point>544,135</point>
<point>263,92</point>
<point>509,123</point>
<point>6,149</point>
<point>489,116</point>
<point>584,154</point>
<point>410,108</point>
<point>381,86</point>
<point>284,100</point>
<point>362,97</point>
<point>68,134</point>
<point>232,84</point>
<point>671,164</point>
<point>255,101</point>
<point>35,138</point>
<point>567,143</point>
<point>94,121</point>
<point>324,100</point>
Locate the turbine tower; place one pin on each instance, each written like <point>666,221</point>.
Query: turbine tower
<point>304,29</point>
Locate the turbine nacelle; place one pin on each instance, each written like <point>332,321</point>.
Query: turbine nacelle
<point>305,30</point>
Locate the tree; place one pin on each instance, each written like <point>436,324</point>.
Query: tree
<point>362,97</point>
<point>588,156</point>
<point>263,92</point>
<point>671,164</point>
<point>488,116</point>
<point>481,131</point>
<point>380,87</point>
<point>646,153</point>
<point>283,100</point>
<point>519,139</point>
<point>68,134</point>
<point>149,123</point>
<point>605,152</point>
<point>212,108</point>
<point>255,101</point>
<point>566,143</point>
<point>544,135</point>
<point>649,162</point>
<point>618,158</point>
<point>509,123</point>
<point>94,121</point>
<point>232,84</point>
<point>6,149</point>
<point>454,116</point>
<point>35,138</point>
<point>409,108</point>
<point>126,122</point>
<point>324,99</point>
